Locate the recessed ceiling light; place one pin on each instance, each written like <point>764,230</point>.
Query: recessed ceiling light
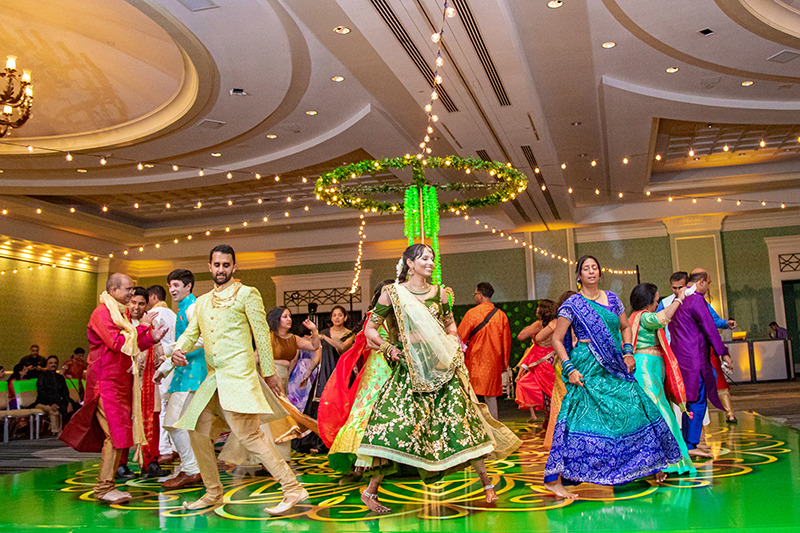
<point>576,123</point>
<point>555,4</point>
<point>342,30</point>
<point>216,154</point>
<point>747,83</point>
<point>311,112</point>
<point>272,136</point>
<point>609,44</point>
<point>672,70</point>
<point>337,78</point>
<point>82,170</point>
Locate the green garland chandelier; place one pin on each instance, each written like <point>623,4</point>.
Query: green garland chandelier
<point>420,204</point>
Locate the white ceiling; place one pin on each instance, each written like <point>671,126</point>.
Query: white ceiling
<point>139,81</point>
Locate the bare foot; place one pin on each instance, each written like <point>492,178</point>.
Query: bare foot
<point>697,452</point>
<point>558,489</point>
<point>661,476</point>
<point>372,503</point>
<point>703,446</point>
<point>491,495</point>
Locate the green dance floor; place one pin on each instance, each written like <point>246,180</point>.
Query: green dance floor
<point>753,484</point>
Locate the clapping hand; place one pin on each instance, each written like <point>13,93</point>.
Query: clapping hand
<point>310,325</point>
<point>159,332</point>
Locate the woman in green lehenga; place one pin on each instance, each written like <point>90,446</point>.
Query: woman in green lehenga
<point>426,415</point>
<point>656,364</point>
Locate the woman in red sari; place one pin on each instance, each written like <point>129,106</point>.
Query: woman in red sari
<point>536,376</point>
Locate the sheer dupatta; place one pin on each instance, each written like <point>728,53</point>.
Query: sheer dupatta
<point>340,391</point>
<point>430,354</point>
<point>674,380</point>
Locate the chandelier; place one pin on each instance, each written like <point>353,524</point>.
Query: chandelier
<point>16,97</point>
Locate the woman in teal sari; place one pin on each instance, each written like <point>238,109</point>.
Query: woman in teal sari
<point>426,420</point>
<point>608,430</point>
<point>657,369</point>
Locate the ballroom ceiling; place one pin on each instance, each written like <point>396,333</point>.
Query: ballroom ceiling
<point>185,102</point>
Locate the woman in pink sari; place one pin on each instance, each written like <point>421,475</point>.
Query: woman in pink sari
<point>536,376</point>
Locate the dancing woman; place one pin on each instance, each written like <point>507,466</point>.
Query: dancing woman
<point>608,431</point>
<point>536,376</point>
<point>655,362</point>
<point>335,340</point>
<point>559,388</point>
<point>427,416</point>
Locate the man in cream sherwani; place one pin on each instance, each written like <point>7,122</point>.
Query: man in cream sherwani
<point>228,318</point>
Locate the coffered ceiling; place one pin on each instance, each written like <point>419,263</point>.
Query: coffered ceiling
<point>200,104</point>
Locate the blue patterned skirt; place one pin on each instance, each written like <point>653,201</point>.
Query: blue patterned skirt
<point>608,431</point>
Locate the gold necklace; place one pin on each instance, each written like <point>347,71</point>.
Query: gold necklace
<point>425,289</point>
<point>590,297</point>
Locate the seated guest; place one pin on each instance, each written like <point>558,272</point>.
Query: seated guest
<point>35,361</point>
<point>52,396</point>
<point>777,332</point>
<point>75,366</point>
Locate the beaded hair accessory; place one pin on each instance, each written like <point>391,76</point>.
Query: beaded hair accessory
<point>399,269</point>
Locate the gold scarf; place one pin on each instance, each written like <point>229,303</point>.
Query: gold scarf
<point>131,349</point>
<point>224,297</point>
<point>161,304</point>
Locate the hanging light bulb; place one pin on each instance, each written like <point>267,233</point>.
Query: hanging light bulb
<point>449,10</point>
<point>658,157</point>
<point>140,167</point>
<point>763,143</point>
<point>725,148</point>
<point>624,160</point>
<point>594,163</point>
<point>569,190</point>
<point>437,80</point>
<point>68,157</point>
<point>439,63</point>
<point>175,168</point>
<point>200,172</point>
<point>229,175</point>
<point>436,37</point>
<point>103,161</point>
<point>691,153</point>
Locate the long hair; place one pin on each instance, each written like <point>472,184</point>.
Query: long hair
<point>274,318</point>
<point>413,253</point>
<point>548,311</point>
<point>643,295</point>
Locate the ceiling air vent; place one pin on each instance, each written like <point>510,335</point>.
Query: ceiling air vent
<point>402,36</point>
<point>783,57</point>
<point>197,5</point>
<point>706,32</point>
<point>484,155</point>
<point>211,124</point>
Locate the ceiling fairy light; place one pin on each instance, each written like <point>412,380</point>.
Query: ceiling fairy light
<point>536,249</point>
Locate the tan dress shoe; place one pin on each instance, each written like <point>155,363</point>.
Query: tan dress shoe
<point>287,503</point>
<point>182,480</point>
<point>203,503</point>
<point>115,496</point>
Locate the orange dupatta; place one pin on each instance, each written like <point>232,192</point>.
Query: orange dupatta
<point>673,384</point>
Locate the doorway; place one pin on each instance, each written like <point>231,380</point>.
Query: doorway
<point>791,303</point>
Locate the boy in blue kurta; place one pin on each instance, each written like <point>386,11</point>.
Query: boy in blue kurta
<point>185,381</point>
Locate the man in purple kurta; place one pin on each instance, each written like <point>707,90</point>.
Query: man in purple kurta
<point>693,333</point>
<point>104,424</point>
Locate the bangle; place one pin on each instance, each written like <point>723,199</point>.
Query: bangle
<point>680,302</point>
<point>627,349</point>
<point>567,367</point>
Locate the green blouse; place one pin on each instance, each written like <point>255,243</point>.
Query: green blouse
<point>441,310</point>
<point>649,324</point>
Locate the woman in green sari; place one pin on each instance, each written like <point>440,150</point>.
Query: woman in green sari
<point>426,420</point>
<point>656,366</point>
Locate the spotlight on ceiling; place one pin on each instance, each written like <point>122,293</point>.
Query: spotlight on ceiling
<point>609,44</point>
<point>555,4</point>
<point>342,30</point>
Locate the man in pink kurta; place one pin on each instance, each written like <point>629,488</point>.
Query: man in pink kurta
<point>485,330</point>
<point>104,423</point>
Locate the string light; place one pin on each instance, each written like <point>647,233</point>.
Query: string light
<point>357,267</point>
<point>68,157</point>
